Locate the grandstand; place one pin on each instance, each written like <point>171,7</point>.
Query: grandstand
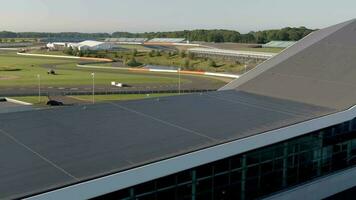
<point>278,44</point>
<point>15,44</point>
<point>127,40</point>
<point>207,52</point>
<point>167,40</point>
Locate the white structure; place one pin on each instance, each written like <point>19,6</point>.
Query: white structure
<point>56,45</point>
<point>232,53</point>
<point>92,45</point>
<point>167,40</point>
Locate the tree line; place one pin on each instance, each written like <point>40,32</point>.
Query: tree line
<point>8,34</point>
<point>285,34</point>
<point>218,36</point>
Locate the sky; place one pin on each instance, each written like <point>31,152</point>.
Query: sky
<point>170,15</point>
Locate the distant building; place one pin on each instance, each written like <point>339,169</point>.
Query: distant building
<point>126,40</point>
<point>213,52</point>
<point>278,44</point>
<point>92,45</point>
<point>167,41</point>
<point>56,45</point>
<point>15,44</point>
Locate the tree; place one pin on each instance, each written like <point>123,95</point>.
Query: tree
<point>68,50</point>
<point>80,53</point>
<point>134,52</point>
<point>283,35</point>
<point>212,63</point>
<point>75,51</point>
<point>152,53</point>
<point>133,63</point>
<point>182,54</point>
<point>186,63</point>
<point>158,53</point>
<point>190,55</point>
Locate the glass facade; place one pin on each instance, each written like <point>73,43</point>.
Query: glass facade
<point>257,173</point>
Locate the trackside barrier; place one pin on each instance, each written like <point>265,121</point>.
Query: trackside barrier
<point>75,93</point>
<point>163,70</point>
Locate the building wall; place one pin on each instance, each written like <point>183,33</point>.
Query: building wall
<point>257,173</point>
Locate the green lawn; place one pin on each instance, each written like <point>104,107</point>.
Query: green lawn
<point>196,64</point>
<point>18,70</point>
<point>57,53</point>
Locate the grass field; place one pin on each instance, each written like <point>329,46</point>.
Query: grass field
<point>57,53</point>
<point>196,64</point>
<point>192,63</point>
<point>22,71</point>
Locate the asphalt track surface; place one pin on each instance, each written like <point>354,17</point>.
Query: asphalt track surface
<point>195,82</point>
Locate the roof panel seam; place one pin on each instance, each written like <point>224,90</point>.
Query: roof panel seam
<point>166,122</point>
<point>256,106</point>
<point>38,154</point>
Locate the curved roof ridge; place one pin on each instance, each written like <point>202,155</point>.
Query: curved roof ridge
<point>308,41</point>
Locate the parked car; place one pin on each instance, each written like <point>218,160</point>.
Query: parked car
<point>54,103</point>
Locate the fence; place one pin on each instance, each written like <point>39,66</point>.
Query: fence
<point>76,93</point>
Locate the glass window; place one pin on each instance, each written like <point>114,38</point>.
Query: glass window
<point>167,181</point>
<point>204,171</point>
<point>204,186</point>
<point>307,158</point>
<point>221,166</point>
<point>235,162</point>
<point>166,194</point>
<point>252,158</point>
<point>145,187</point>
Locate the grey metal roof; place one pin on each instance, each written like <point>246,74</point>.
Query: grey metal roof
<point>46,149</point>
<point>319,70</point>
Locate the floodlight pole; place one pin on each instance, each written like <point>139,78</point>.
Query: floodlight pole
<point>39,88</point>
<point>179,80</point>
<point>93,76</point>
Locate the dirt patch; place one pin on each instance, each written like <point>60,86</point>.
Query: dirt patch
<point>8,77</point>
